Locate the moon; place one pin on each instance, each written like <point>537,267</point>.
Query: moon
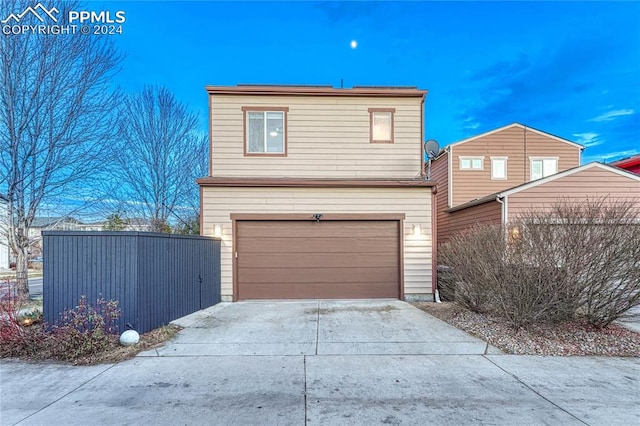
<point>354,44</point>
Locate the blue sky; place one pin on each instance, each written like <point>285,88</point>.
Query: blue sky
<point>568,68</point>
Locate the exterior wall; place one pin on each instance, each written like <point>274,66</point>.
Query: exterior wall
<point>327,136</point>
<point>517,143</point>
<point>218,203</point>
<point>481,214</point>
<point>440,175</point>
<point>591,183</point>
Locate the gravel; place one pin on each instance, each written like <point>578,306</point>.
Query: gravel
<point>565,339</point>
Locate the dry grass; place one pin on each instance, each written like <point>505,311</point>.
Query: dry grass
<point>565,339</point>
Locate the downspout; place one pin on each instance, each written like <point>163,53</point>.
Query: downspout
<point>434,245</point>
<point>503,208</point>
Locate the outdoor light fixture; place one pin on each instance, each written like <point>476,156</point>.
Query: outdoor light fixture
<point>217,231</point>
<point>514,233</point>
<point>417,230</point>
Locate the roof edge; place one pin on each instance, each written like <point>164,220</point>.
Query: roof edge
<point>314,91</point>
<point>634,160</point>
<point>312,183</point>
<point>522,126</point>
<point>568,172</point>
<point>476,202</point>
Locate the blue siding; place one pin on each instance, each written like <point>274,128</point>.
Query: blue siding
<point>156,278</point>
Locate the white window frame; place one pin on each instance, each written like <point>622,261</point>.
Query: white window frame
<point>545,173</point>
<point>265,111</point>
<point>493,168</point>
<point>470,159</point>
<point>391,112</point>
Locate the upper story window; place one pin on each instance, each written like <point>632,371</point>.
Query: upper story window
<point>381,125</point>
<point>543,167</point>
<point>265,130</point>
<point>498,168</point>
<point>471,163</point>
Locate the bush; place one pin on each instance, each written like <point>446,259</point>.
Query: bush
<point>598,243</point>
<point>81,331</point>
<point>574,260</point>
<point>472,261</point>
<point>87,329</point>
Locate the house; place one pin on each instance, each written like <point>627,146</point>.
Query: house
<point>90,226</point>
<point>4,240</point>
<point>48,223</point>
<point>631,164</point>
<point>589,182</point>
<point>471,169</point>
<point>319,193</point>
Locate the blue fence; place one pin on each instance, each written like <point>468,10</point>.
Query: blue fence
<point>156,278</point>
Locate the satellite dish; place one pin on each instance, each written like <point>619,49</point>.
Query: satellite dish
<point>432,148</point>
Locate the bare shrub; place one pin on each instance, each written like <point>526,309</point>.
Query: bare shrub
<point>472,263</point>
<point>597,243</point>
<point>500,270</point>
<point>531,288</point>
<point>83,331</point>
<point>574,259</point>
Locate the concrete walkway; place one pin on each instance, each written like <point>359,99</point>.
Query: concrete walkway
<point>382,362</point>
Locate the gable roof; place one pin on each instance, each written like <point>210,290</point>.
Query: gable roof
<point>538,182</point>
<point>568,172</point>
<point>521,126</point>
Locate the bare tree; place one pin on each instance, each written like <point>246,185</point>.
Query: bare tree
<point>55,109</point>
<point>161,153</point>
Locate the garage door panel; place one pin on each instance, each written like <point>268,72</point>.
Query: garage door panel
<point>311,260</point>
<point>312,229</point>
<point>315,245</point>
<point>318,274</point>
<point>327,260</point>
<point>312,290</point>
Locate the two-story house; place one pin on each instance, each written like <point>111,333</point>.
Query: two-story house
<point>497,176</point>
<point>319,193</point>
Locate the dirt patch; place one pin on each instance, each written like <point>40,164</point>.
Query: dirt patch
<point>565,339</point>
<point>152,339</point>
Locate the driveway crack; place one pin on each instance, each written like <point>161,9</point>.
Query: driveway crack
<point>68,393</point>
<point>305,389</point>
<point>535,391</point>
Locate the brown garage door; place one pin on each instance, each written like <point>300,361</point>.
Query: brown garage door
<point>317,260</point>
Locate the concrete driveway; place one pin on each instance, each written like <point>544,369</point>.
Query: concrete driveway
<point>381,362</point>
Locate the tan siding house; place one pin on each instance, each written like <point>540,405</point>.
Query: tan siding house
<point>319,193</point>
<point>473,168</point>
<point>588,182</point>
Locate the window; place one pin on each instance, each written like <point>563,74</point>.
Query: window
<point>471,163</point>
<point>381,125</point>
<point>498,168</point>
<point>265,131</point>
<point>543,167</point>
